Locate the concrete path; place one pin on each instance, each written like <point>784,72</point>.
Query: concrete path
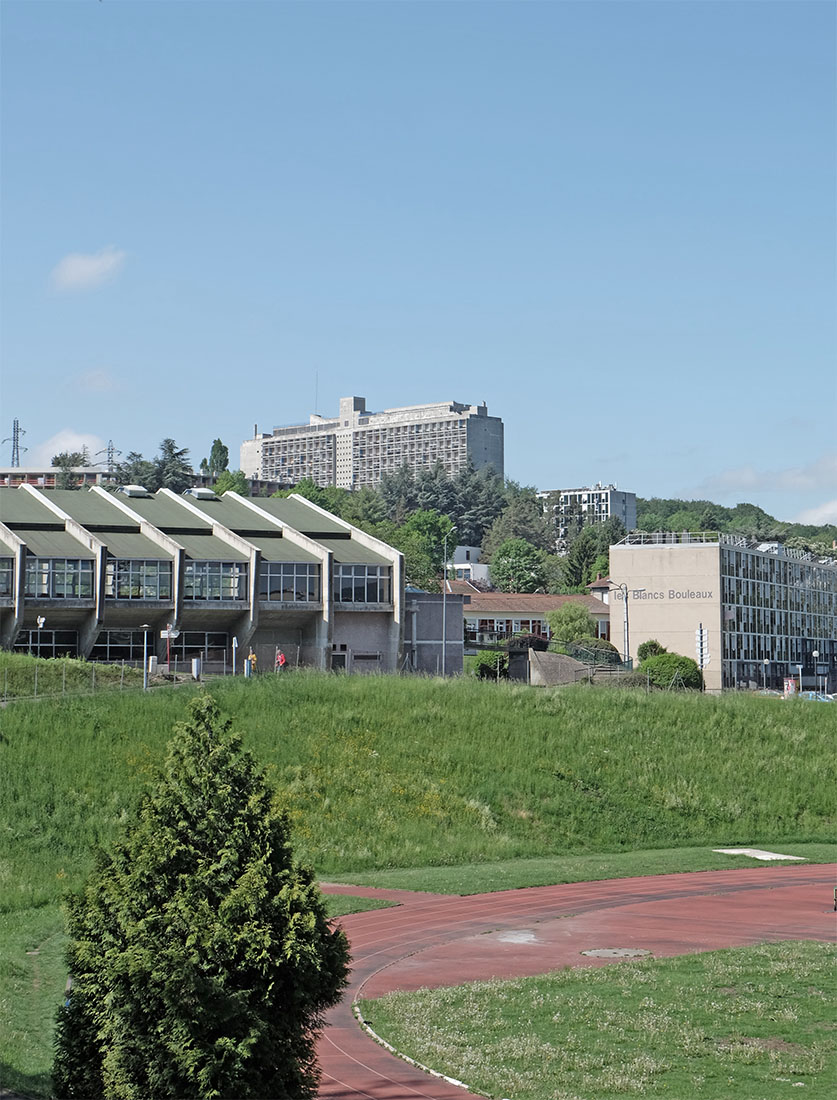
<point>434,940</point>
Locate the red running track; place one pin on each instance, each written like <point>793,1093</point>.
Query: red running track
<point>433,940</point>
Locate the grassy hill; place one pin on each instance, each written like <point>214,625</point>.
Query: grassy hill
<point>390,772</point>
<point>386,773</point>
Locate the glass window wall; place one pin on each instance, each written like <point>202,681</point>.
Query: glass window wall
<point>289,581</point>
<point>363,583</point>
<point>137,579</point>
<point>215,580</point>
<point>59,578</point>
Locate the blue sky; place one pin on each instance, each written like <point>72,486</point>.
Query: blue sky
<point>613,222</point>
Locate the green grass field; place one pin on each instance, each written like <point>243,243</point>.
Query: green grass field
<point>751,1023</point>
<point>456,786</point>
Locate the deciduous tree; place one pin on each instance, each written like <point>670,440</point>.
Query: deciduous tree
<point>571,622</point>
<point>517,566</point>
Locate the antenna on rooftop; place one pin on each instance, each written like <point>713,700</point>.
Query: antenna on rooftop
<point>14,439</point>
<point>111,452</point>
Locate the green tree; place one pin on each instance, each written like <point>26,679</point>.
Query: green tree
<point>570,623</point>
<point>219,458</point>
<point>328,497</point>
<point>421,540</point>
<point>491,664</point>
<point>517,566</point>
<point>580,559</point>
<point>522,518</point>
<point>201,955</point>
<point>651,648</point>
<point>71,458</point>
<point>233,480</point>
<point>136,470</point>
<point>670,670</point>
<point>172,467</point>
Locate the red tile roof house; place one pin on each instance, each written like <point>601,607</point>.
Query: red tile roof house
<point>491,617</point>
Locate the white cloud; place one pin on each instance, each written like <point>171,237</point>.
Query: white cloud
<point>95,381</point>
<point>82,271</point>
<point>817,476</point>
<point>68,439</point>
<point>823,513</point>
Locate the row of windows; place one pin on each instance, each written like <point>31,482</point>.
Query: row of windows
<point>47,643</point>
<point>286,581</point>
<point>362,584</point>
<point>769,594</point>
<point>59,578</point>
<point>215,580</point>
<point>7,567</point>
<point>779,570</point>
<point>131,645</point>
<point>62,578</point>
<point>134,579</point>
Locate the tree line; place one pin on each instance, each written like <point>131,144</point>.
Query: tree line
<point>415,511</point>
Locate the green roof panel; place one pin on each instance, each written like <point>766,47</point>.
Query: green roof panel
<point>53,544</point>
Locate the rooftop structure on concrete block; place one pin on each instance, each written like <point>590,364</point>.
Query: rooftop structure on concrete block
<point>359,447</point>
<point>100,575</point>
<point>766,609</point>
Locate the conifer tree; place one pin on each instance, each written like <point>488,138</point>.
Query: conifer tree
<point>201,956</point>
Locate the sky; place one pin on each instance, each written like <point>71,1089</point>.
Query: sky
<point>613,222</point>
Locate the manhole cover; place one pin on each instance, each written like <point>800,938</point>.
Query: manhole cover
<point>615,952</point>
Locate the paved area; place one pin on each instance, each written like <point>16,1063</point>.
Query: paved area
<point>433,940</point>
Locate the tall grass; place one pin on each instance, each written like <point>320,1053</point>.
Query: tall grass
<point>391,772</point>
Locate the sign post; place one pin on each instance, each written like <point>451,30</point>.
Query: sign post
<point>702,646</point>
<point>168,634</point>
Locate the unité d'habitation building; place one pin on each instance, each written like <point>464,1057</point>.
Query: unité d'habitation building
<point>359,447</point>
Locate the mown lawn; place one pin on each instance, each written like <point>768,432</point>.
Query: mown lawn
<point>750,1023</point>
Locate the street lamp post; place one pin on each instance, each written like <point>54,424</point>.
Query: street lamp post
<point>41,620</point>
<point>765,664</point>
<point>144,627</point>
<point>816,657</point>
<point>445,602</point>
<point>800,678</point>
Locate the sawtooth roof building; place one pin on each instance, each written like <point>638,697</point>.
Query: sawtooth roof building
<point>100,575</point>
<point>358,447</point>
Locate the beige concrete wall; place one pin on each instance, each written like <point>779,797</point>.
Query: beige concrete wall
<point>671,590</point>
